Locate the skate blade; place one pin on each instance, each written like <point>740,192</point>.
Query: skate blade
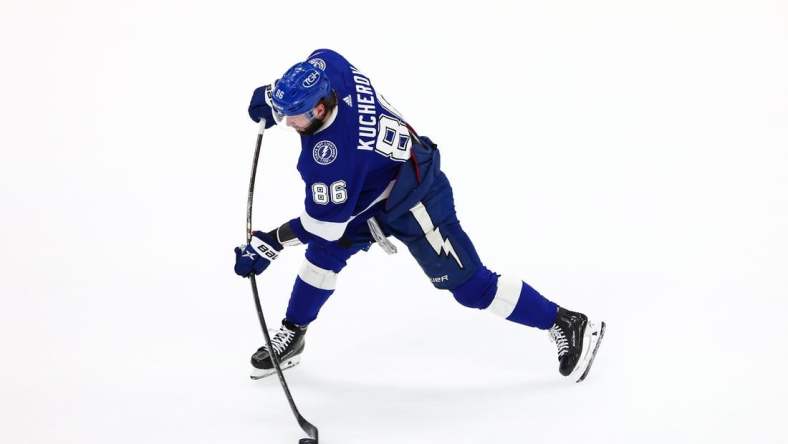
<point>591,344</point>
<point>258,373</point>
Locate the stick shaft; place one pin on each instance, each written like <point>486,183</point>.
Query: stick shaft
<point>306,426</point>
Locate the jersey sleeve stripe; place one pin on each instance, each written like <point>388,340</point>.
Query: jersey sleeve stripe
<point>329,231</point>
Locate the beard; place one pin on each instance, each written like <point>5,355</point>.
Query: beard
<point>314,125</point>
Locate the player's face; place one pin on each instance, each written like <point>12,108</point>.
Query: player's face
<point>308,122</point>
<point>299,122</point>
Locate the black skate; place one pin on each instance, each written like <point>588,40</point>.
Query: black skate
<point>577,340</point>
<point>288,344</point>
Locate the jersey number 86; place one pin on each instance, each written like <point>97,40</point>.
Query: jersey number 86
<point>335,193</point>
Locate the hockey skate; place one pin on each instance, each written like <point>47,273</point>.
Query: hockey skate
<point>578,341</point>
<point>288,343</point>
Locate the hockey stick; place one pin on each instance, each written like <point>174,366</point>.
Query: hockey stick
<point>306,426</point>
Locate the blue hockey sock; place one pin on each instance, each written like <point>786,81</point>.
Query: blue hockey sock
<point>507,297</point>
<point>305,302</point>
<point>531,308</point>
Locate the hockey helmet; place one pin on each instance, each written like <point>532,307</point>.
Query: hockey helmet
<point>299,90</point>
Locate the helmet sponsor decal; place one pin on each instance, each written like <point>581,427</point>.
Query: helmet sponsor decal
<point>311,79</point>
<point>324,152</point>
<point>318,63</point>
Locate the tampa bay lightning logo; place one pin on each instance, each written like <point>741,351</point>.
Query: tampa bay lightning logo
<point>324,152</point>
<point>317,63</point>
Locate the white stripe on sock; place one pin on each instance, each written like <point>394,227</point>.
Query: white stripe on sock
<point>506,296</point>
<point>318,277</point>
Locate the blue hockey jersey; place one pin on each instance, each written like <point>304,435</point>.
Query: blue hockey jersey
<point>350,164</point>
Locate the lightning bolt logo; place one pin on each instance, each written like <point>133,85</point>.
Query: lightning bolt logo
<point>439,244</point>
<point>324,152</point>
<point>433,233</point>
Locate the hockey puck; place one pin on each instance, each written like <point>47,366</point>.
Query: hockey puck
<point>307,441</point>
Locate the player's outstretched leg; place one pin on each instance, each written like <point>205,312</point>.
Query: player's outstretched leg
<point>288,343</point>
<point>576,337</point>
<point>577,340</point>
<point>444,251</point>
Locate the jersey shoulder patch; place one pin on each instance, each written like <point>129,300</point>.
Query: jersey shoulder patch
<point>324,152</point>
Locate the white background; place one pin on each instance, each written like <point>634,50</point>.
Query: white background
<point>629,159</point>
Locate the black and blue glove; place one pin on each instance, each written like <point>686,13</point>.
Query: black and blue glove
<point>259,106</point>
<point>257,255</point>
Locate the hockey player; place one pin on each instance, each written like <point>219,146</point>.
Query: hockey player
<point>368,176</point>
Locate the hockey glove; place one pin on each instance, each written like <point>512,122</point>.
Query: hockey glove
<point>255,256</point>
<point>260,106</point>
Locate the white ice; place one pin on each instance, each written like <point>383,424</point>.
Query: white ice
<point>627,159</point>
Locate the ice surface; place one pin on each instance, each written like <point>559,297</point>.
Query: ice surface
<point>627,159</point>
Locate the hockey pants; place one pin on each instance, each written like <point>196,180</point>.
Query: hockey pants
<point>436,240</point>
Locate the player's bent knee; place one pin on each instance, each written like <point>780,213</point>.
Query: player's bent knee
<point>478,291</point>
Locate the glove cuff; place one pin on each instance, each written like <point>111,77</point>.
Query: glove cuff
<point>264,249</point>
<point>285,235</point>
